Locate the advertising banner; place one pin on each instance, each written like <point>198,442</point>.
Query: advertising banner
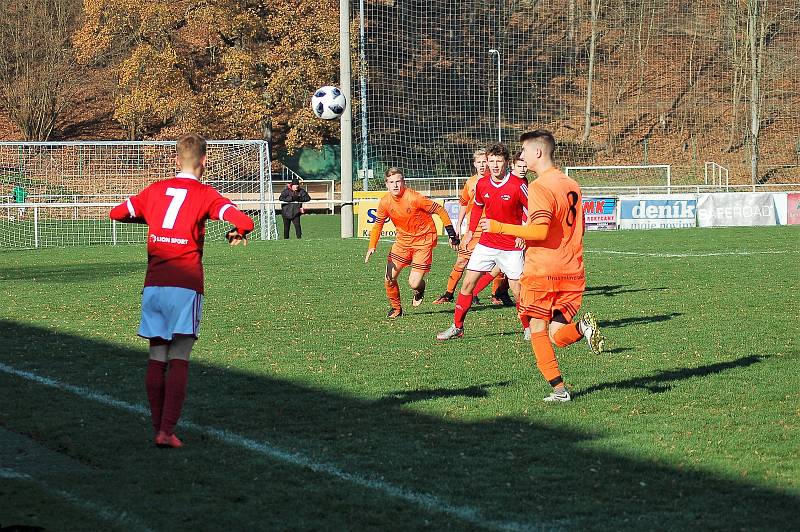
<point>779,199</point>
<point>451,206</point>
<point>656,211</point>
<point>359,195</point>
<point>367,213</point>
<point>726,209</point>
<point>793,208</point>
<point>600,213</point>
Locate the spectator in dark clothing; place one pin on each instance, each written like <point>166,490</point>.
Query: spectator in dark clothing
<point>292,199</point>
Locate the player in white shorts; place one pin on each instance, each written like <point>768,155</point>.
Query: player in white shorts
<point>500,195</point>
<point>168,311</point>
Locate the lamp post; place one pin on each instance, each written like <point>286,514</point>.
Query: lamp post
<point>499,130</point>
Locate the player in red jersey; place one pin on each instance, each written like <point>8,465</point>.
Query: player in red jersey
<point>500,286</point>
<point>500,195</point>
<point>175,211</point>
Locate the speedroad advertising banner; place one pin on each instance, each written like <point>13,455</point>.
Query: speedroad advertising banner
<point>736,209</point>
<point>793,208</point>
<point>657,211</point>
<point>600,213</point>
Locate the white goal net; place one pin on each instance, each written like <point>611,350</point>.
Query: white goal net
<point>622,178</point>
<point>60,193</point>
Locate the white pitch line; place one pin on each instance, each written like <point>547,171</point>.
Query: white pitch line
<point>109,515</point>
<point>688,255</point>
<point>424,500</point>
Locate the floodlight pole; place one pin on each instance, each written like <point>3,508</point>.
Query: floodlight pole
<point>363,79</point>
<point>499,113</point>
<point>346,120</point>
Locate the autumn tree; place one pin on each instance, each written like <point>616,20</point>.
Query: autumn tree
<point>229,69</point>
<point>38,72</point>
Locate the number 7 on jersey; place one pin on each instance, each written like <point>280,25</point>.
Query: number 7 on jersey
<point>178,197</point>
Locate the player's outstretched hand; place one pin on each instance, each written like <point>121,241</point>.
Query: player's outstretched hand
<point>235,238</point>
<point>484,224</point>
<point>370,251</point>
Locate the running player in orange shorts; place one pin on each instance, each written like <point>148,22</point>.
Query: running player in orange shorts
<point>410,213</point>
<point>553,279</point>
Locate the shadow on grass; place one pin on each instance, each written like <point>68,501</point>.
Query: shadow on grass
<point>404,396</point>
<point>504,467</point>
<point>662,381</point>
<point>71,273</point>
<point>638,320</point>
<point>617,289</point>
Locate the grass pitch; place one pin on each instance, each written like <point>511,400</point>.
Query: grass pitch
<point>308,410</point>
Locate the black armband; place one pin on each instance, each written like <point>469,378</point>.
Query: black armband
<point>451,233</point>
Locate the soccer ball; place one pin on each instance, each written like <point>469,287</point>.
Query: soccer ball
<point>328,103</point>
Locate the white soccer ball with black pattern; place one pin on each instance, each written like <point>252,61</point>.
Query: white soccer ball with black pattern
<point>328,103</point>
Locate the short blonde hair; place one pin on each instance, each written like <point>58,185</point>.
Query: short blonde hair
<point>392,171</point>
<point>191,148</point>
<point>480,152</point>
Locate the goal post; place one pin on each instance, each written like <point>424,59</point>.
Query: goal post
<point>622,176</point>
<point>69,187</point>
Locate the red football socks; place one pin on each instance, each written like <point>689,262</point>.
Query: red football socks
<point>174,394</point>
<point>154,384</point>
<point>463,303</point>
<point>482,283</point>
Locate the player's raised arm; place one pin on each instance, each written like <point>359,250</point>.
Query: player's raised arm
<point>129,211</point>
<point>223,209</point>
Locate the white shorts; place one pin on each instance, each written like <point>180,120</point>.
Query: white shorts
<point>484,259</point>
<point>170,310</point>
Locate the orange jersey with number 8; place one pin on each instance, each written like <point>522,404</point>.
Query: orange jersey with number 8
<point>556,263</point>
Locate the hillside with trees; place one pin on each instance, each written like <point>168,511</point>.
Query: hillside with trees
<point>680,81</point>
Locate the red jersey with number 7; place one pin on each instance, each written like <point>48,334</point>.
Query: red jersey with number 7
<point>175,211</point>
<point>555,264</point>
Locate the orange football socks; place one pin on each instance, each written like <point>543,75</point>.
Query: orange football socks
<point>393,293</point>
<point>567,335</point>
<point>546,358</point>
<point>452,281</point>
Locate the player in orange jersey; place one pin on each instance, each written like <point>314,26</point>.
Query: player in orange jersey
<point>466,202</point>
<point>410,213</point>
<point>553,279</point>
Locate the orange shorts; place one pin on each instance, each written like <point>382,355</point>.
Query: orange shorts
<point>544,305</point>
<point>418,258</point>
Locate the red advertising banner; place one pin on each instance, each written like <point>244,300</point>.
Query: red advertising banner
<point>600,213</point>
<point>793,208</point>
